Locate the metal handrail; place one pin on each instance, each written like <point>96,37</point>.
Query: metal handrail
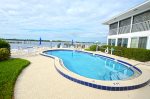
<point>141,26</point>
<point>113,31</point>
<point>141,22</point>
<point>124,29</point>
<point>125,26</point>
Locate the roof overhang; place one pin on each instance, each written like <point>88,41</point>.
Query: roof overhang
<point>131,12</point>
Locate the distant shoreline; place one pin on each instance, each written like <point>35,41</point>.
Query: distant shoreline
<point>20,40</point>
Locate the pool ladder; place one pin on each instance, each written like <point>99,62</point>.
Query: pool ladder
<point>109,63</point>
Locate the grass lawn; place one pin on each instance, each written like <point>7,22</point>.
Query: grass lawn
<point>9,71</point>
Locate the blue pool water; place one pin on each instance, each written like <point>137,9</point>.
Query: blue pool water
<point>92,66</point>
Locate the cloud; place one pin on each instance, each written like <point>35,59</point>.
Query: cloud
<point>59,19</point>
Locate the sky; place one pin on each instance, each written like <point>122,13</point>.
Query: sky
<point>80,20</point>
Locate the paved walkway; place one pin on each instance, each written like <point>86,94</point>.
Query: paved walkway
<point>40,80</point>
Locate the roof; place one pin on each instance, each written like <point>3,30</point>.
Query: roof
<point>133,11</point>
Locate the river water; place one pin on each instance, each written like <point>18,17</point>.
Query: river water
<point>29,44</point>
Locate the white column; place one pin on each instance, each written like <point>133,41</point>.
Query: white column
<point>116,41</point>
<point>129,42</point>
<point>131,24</point>
<point>107,40</point>
<point>148,43</point>
<point>118,28</point>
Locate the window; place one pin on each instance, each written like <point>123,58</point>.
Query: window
<point>119,42</point>
<point>111,42</point>
<point>125,22</point>
<point>145,16</point>
<point>142,42</point>
<point>134,42</point>
<point>125,42</point>
<point>141,22</point>
<point>113,28</point>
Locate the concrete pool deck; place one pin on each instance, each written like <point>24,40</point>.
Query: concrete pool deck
<point>40,80</point>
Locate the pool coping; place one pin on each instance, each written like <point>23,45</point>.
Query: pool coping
<point>116,85</point>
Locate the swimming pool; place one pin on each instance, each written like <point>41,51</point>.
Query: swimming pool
<point>93,66</point>
<point>118,76</point>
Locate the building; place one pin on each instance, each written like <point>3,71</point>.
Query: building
<point>131,28</point>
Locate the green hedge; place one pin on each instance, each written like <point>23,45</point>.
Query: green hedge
<point>138,54</point>
<point>4,54</point>
<point>131,53</point>
<point>93,48</point>
<point>4,50</point>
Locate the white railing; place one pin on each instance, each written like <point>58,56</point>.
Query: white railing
<point>124,29</point>
<point>113,31</point>
<point>141,26</point>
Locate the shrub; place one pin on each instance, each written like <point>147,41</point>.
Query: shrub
<point>4,54</point>
<point>87,49</point>
<point>93,48</point>
<point>4,44</point>
<point>131,53</point>
<point>4,50</point>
